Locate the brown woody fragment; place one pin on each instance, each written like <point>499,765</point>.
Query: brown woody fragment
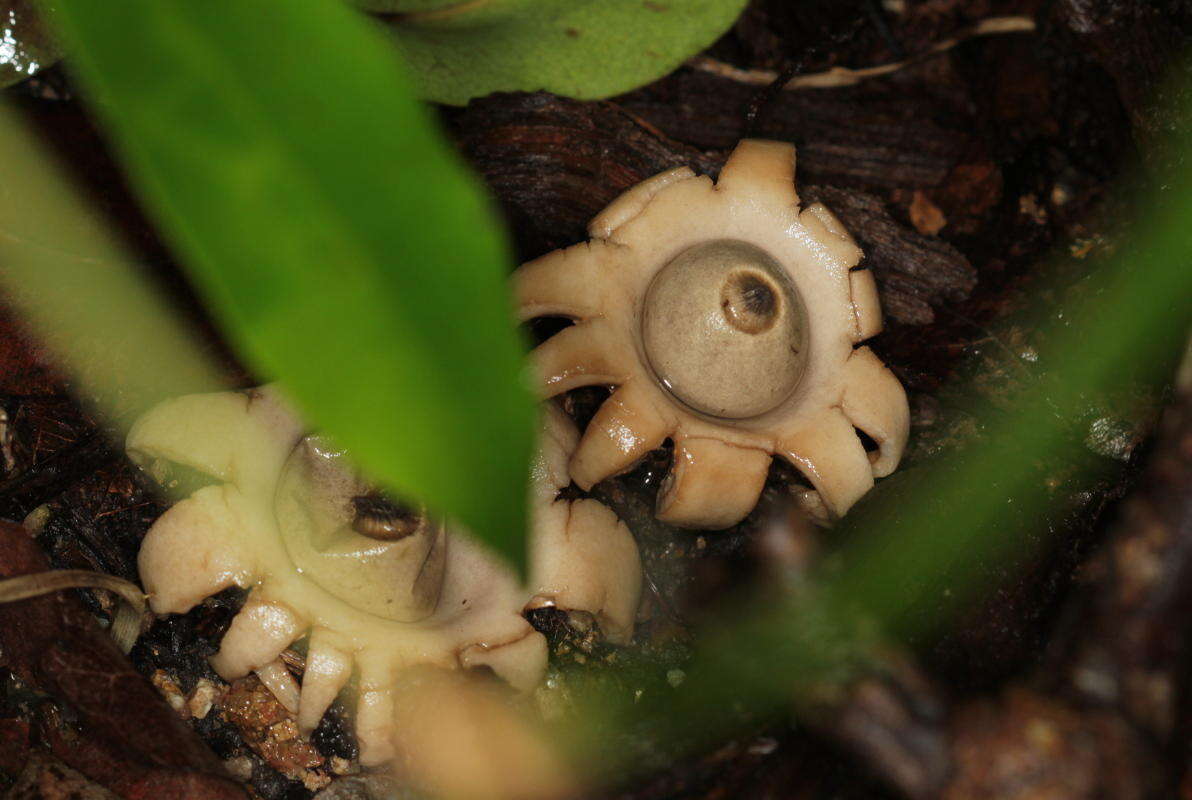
<point>127,738</point>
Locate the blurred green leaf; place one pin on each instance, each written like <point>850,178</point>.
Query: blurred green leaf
<point>403,6</point>
<point>580,48</point>
<point>1127,328</point>
<point>338,240</point>
<point>26,45</point>
<point>82,296</point>
<point>919,548</point>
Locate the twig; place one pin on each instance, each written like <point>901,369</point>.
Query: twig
<point>767,96</point>
<point>126,624</point>
<point>843,76</point>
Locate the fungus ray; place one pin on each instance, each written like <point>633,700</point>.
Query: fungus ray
<point>712,484</point>
<point>232,436</point>
<point>627,426</point>
<point>761,170</point>
<point>520,663</point>
<point>866,305</point>
<point>374,718</point>
<point>633,201</point>
<point>829,453</point>
<point>563,283</point>
<point>589,562</point>
<point>257,635</point>
<point>874,402</point>
<point>197,529</point>
<point>582,355</point>
<point>275,677</point>
<point>327,672</point>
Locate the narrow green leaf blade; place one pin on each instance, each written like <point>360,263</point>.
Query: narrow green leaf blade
<point>581,48</point>
<point>336,237</point>
<point>113,335</point>
<point>404,6</point>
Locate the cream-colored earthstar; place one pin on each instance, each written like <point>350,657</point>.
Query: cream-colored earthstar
<point>728,319</point>
<point>376,590</point>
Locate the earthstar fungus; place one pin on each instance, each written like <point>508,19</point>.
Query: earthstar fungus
<point>725,317</point>
<point>728,320</point>
<point>377,590</point>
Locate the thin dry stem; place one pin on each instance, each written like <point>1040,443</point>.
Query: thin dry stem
<point>843,76</point>
<point>126,626</point>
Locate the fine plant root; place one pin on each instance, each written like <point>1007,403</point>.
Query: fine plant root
<point>126,625</point>
<point>837,77</point>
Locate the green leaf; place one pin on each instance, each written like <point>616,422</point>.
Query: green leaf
<point>107,328</point>
<point>26,46</point>
<point>581,48</point>
<point>337,238</point>
<point>403,6</point>
<point>928,539</point>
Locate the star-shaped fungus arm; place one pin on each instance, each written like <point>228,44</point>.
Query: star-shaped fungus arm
<point>583,559</point>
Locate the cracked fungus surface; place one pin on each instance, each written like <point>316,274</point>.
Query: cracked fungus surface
<point>729,319</point>
<point>377,591</point>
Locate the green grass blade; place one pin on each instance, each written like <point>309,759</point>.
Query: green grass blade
<point>341,245</point>
<point>913,552</point>
<point>78,292</point>
<point>989,501</point>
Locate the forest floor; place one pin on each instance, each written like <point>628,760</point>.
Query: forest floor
<point>984,184</point>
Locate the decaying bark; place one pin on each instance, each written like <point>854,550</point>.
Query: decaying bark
<point>1097,726</point>
<point>895,720</point>
<point>851,137</point>
<point>1139,44</point>
<point>555,163</point>
<point>103,718</point>
<point>1024,745</point>
<point>1135,651</point>
<point>914,272</point>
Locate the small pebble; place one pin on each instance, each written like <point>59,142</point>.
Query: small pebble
<point>36,519</point>
<point>763,746</point>
<point>169,689</point>
<point>239,768</point>
<point>341,766</point>
<point>202,698</point>
<point>284,731</point>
